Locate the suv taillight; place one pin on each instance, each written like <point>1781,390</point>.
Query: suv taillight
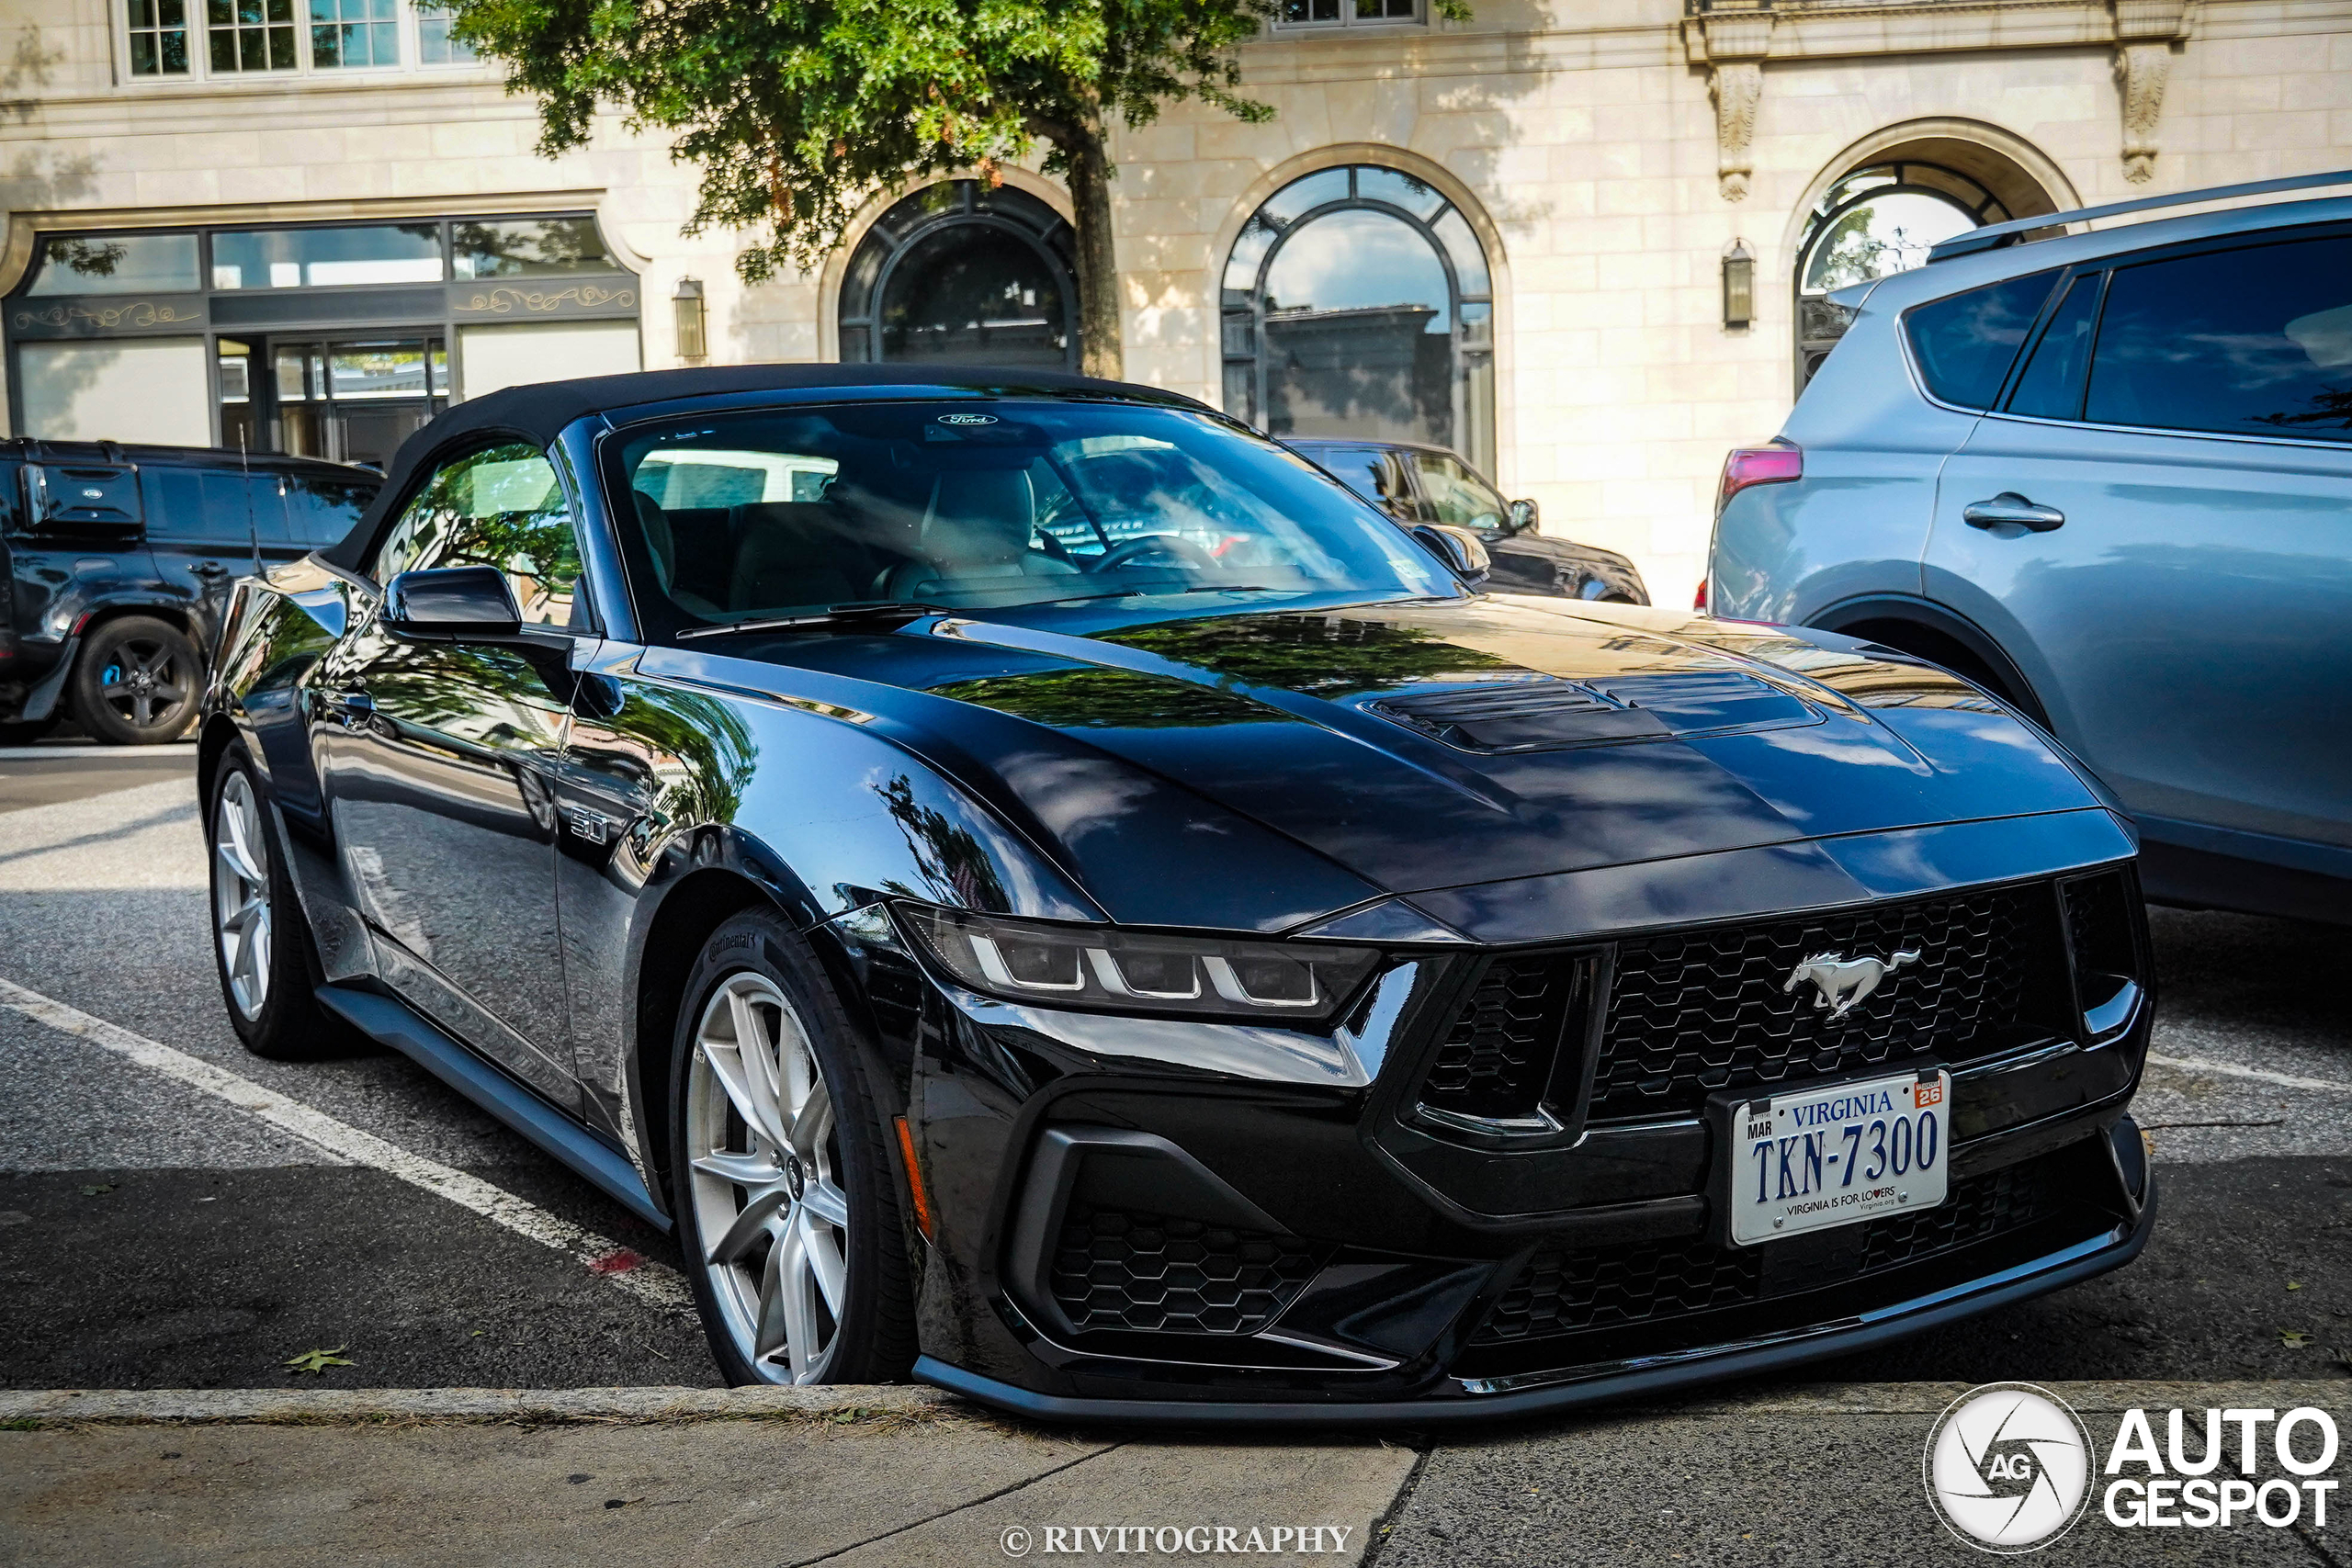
<point>1774,464</point>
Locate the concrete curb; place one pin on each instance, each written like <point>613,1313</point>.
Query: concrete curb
<point>34,1408</point>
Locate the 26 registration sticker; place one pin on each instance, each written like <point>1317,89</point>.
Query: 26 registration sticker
<point>1837,1155</point>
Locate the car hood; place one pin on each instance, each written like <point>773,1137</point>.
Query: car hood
<point>1423,744</point>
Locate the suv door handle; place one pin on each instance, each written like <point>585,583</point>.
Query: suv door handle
<point>356,707</point>
<point>2010,507</point>
<point>210,568</point>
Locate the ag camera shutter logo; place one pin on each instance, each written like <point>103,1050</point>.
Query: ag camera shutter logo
<point>2007,1468</point>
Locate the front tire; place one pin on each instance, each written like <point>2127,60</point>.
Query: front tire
<point>260,940</point>
<point>786,1193</point>
<point>137,682</point>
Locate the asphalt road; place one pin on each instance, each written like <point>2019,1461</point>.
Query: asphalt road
<point>156,1234</point>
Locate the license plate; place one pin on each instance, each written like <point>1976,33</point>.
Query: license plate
<point>1830,1157</point>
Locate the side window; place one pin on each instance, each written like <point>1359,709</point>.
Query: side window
<point>196,506</point>
<point>2249,341</point>
<point>1458,496</point>
<point>265,491</point>
<point>501,507</point>
<point>1965,344</point>
<point>1363,469</point>
<point>322,512</point>
<point>2051,386</point>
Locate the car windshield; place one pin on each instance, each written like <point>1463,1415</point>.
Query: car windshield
<point>775,513</point>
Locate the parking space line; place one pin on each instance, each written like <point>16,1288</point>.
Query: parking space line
<point>2231,1069</point>
<point>651,1282</point>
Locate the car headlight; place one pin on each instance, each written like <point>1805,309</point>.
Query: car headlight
<point>1101,970</point>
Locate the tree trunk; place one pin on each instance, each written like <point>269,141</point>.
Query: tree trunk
<point>1099,352</point>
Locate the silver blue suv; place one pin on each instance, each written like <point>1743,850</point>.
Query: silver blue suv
<point>2107,476</point>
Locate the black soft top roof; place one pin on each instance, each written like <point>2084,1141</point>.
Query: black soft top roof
<point>539,411</point>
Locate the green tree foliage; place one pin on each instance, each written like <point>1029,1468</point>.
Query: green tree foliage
<point>797,113</point>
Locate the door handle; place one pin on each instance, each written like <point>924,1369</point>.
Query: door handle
<point>210,568</point>
<point>356,707</point>
<point>2010,507</point>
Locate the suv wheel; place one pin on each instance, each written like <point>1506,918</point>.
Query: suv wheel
<point>786,1193</point>
<point>260,941</point>
<point>137,682</point>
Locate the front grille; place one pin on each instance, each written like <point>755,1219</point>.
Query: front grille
<point>1564,1290</point>
<point>1695,1012</point>
<point>1155,1273</point>
<point>1496,1060</point>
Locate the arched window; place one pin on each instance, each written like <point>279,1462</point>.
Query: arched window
<point>1357,302</point>
<point>1878,220</point>
<point>963,274</point>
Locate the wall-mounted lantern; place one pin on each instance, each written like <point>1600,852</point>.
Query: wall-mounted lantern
<point>1739,285</point>
<point>686,301</point>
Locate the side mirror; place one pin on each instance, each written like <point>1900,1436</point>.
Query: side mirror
<point>1458,548</point>
<point>455,603</point>
<point>1523,517</point>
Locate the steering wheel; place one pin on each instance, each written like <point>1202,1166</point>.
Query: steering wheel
<point>1186,552</point>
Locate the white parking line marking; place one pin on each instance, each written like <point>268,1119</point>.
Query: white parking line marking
<point>2231,1069</point>
<point>649,1281</point>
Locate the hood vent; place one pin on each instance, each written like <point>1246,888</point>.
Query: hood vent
<point>1542,711</point>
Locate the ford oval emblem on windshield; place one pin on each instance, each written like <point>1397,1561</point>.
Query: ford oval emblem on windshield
<point>967,419</point>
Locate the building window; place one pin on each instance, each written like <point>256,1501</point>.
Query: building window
<point>158,37</point>
<point>1321,14</point>
<point>1357,303</point>
<point>1875,221</point>
<point>115,263</point>
<point>962,274</point>
<point>353,33</point>
<point>434,44</point>
<point>250,35</point>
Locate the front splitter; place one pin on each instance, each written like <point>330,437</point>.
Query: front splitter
<point>1550,1394</point>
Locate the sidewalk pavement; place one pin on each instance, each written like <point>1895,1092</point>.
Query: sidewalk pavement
<point>908,1478</point>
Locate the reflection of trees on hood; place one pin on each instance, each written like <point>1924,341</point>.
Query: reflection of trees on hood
<point>1108,699</point>
<point>948,856</point>
<point>1322,656</point>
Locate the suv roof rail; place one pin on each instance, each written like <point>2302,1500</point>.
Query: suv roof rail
<point>1993,236</point>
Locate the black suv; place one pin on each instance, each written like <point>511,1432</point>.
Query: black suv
<point>115,566</point>
<point>1429,484</point>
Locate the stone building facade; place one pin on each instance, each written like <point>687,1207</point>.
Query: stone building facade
<point>313,222</point>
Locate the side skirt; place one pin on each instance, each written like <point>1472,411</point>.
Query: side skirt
<point>393,1023</point>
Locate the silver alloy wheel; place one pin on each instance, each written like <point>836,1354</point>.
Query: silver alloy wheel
<point>769,1205</point>
<point>240,894</point>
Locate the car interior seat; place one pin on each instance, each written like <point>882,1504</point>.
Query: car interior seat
<point>795,552</point>
<point>975,533</point>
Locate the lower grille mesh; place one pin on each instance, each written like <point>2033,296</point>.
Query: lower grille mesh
<point>1564,1291</point>
<point>1160,1274</point>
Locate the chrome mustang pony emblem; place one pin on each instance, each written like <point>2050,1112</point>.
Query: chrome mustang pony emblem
<point>1842,982</point>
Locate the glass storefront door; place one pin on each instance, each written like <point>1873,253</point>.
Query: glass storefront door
<point>346,399</point>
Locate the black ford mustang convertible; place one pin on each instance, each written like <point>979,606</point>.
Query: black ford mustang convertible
<point>1042,890</point>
